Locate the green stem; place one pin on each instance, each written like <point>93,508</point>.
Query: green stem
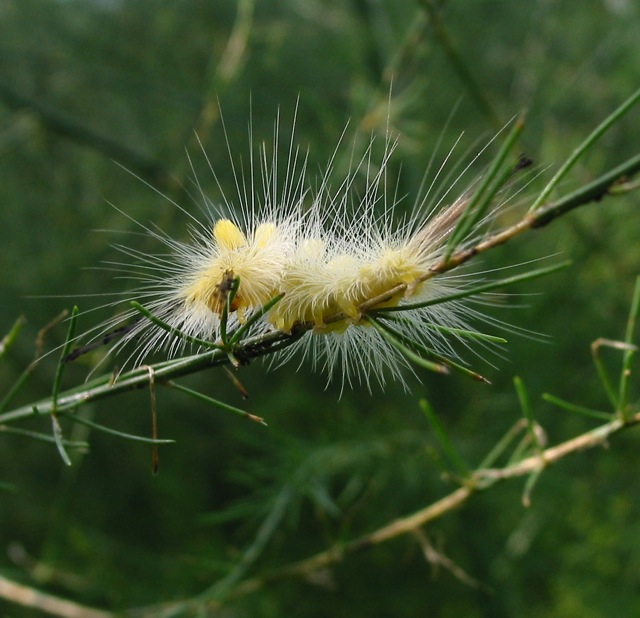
<point>389,335</point>
<point>42,437</point>
<point>66,348</point>
<point>525,405</point>
<point>443,439</point>
<point>592,192</point>
<point>572,407</point>
<point>226,309</point>
<point>175,332</point>
<point>215,402</point>
<point>9,339</point>
<point>103,387</point>
<point>482,197</point>
<point>120,434</point>
<point>584,147</point>
<point>630,350</point>
<point>466,75</point>
<point>244,329</point>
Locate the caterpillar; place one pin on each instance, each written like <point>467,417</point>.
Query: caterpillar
<point>327,253</point>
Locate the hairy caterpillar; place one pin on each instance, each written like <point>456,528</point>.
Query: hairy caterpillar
<point>328,253</point>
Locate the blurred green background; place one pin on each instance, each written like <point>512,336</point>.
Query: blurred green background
<point>89,87</point>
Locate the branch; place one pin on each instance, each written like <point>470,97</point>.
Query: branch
<point>66,126</point>
<point>479,480</point>
<point>30,597</point>
<point>261,345</point>
<point>465,74</point>
<point>106,386</point>
<point>595,191</point>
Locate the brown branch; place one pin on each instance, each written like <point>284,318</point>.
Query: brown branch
<point>479,480</point>
<point>41,601</point>
<point>437,558</point>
